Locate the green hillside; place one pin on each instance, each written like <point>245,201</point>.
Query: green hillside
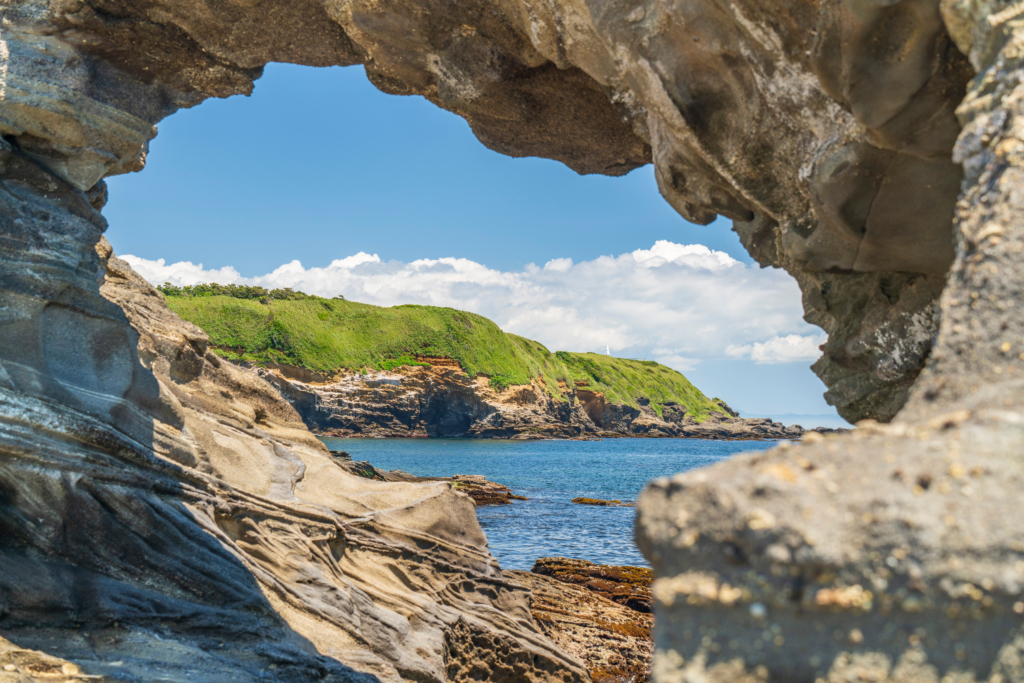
<point>622,380</point>
<point>328,335</point>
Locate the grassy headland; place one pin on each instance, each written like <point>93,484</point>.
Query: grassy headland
<point>331,335</point>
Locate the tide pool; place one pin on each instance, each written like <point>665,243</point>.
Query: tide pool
<point>550,474</point>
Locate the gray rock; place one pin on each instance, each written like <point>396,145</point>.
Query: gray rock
<point>165,514</point>
<point>895,553</point>
<point>156,503</point>
<point>832,160</point>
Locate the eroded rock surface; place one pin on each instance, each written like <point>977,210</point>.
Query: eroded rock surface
<point>824,130</point>
<point>894,553</point>
<point>613,641</point>
<point>442,401</point>
<point>628,586</point>
<point>476,486</point>
<point>436,401</point>
<point>165,514</point>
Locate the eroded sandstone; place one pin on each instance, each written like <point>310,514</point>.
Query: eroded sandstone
<point>613,641</point>
<point>206,534</point>
<point>476,486</point>
<point>159,504</point>
<point>823,130</point>
<point>894,553</point>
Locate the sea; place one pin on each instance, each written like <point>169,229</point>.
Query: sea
<point>550,474</point>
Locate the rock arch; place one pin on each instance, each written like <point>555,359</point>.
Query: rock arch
<point>824,129</point>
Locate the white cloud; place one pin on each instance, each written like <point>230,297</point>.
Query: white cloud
<point>696,255</point>
<point>559,265</point>
<point>788,349</point>
<point>181,273</point>
<point>678,304</point>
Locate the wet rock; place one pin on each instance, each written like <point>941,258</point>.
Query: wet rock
<point>600,503</point>
<point>628,586</point>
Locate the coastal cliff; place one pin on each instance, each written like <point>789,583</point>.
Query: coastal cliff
<point>353,369</point>
<point>445,402</point>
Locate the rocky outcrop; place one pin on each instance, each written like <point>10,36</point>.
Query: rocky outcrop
<point>436,401</point>
<point>443,401</point>
<point>613,641</point>
<point>628,586</point>
<point>894,553</point>
<point>476,486</point>
<point>823,130</point>
<point>142,506</point>
<point>166,515</point>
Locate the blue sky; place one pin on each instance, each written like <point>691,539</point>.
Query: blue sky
<point>318,166</point>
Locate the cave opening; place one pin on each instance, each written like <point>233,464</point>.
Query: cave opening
<point>365,172</point>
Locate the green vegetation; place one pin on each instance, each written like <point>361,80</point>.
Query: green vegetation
<point>331,335</point>
<point>234,291</point>
<point>623,380</point>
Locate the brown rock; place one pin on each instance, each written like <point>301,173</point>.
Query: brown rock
<point>612,641</point>
<point>600,503</point>
<point>180,518</point>
<point>476,486</point>
<point>628,586</point>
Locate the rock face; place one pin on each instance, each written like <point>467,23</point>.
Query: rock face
<point>628,586</point>
<point>476,486</point>
<point>164,514</point>
<point>823,130</point>
<point>895,553</point>
<point>443,401</point>
<point>155,505</point>
<point>438,401</point>
<point>613,641</point>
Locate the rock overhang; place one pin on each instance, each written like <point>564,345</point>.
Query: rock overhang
<point>830,148</point>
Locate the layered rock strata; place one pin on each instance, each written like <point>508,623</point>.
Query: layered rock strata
<point>895,553</point>
<point>165,515</point>
<point>628,586</point>
<point>613,641</point>
<point>142,513</point>
<point>476,486</point>
<point>824,130</point>
<point>445,402</point>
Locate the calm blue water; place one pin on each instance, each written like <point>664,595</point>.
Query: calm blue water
<point>550,474</point>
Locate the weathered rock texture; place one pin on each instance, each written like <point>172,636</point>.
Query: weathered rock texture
<point>613,641</point>
<point>476,486</point>
<point>628,586</point>
<point>442,401</point>
<point>165,515</point>
<point>824,129</point>
<point>895,553</point>
<point>434,401</point>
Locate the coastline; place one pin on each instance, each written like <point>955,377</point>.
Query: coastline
<point>444,402</point>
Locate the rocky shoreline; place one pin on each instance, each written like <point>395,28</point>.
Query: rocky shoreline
<point>442,401</point>
<point>600,614</point>
<point>477,487</point>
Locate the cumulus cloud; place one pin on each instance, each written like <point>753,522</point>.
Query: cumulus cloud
<point>678,304</point>
<point>788,349</point>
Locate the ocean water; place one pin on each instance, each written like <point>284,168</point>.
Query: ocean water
<point>550,474</point>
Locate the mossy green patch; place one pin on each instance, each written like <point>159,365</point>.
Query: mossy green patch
<point>329,335</point>
<point>624,381</point>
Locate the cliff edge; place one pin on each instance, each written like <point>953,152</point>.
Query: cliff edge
<point>353,369</point>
